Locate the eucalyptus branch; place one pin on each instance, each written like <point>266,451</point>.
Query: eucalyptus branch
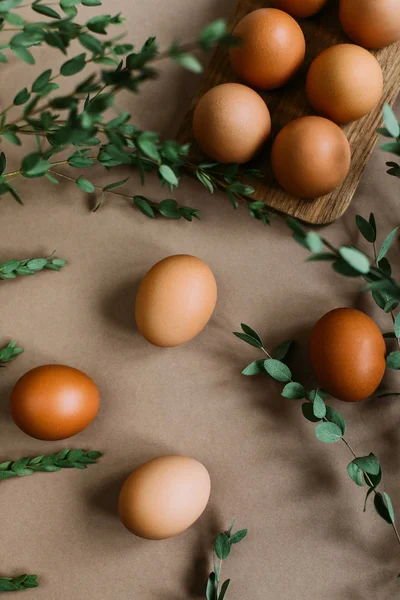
<point>222,549</point>
<point>50,463</point>
<point>9,352</point>
<point>331,426</point>
<point>16,584</point>
<point>29,266</point>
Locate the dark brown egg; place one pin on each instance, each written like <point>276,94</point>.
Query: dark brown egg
<point>347,353</point>
<point>54,402</point>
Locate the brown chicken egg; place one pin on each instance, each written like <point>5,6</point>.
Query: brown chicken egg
<point>347,353</point>
<point>272,48</point>
<point>371,23</point>
<point>310,157</point>
<point>164,497</point>
<point>175,300</point>
<point>54,402</point>
<point>300,8</point>
<point>231,122</point>
<point>344,83</point>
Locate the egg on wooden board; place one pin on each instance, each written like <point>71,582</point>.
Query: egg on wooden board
<point>310,157</point>
<point>347,353</point>
<point>344,83</point>
<point>164,497</point>
<point>54,402</point>
<point>231,122</point>
<point>175,300</point>
<point>300,8</point>
<point>272,48</point>
<point>371,23</point>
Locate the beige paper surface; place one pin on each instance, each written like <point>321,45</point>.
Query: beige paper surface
<point>308,537</point>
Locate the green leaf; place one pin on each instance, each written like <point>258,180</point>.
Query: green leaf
<point>224,589</point>
<point>384,266</point>
<point>14,19</point>
<point>390,305</point>
<point>249,331</point>
<point>91,2</point>
<point>333,416</point>
<point>222,546</point>
<point>90,42</point>
<point>293,391</point>
<point>169,209</point>
<point>393,361</point>
<point>313,241</point>
<point>342,267</point>
<point>397,326</point>
<point>22,97</point>
<point>356,259</point>
<point>85,185</point>
<point>322,256</point>
<point>254,368</point>
<point>3,58</point>
<point>368,464</point>
<point>74,65</point>
<point>328,433</point>
<point>277,370</point>
<point>116,184</point>
<point>9,266</point>
<point>147,142</point>
<point>212,34</point>
<point>248,339</point>
<point>308,413</point>
<point>238,536</point>
<point>386,244</point>
<point>366,229</point>
<point>42,81</point>
<point>355,473</point>
<point>384,508</point>
<point>142,204</point>
<point>168,175</point>
<point>186,60</point>
<point>390,120</point>
<point>37,264</point>
<point>319,407</point>
<point>47,11</point>
<point>3,162</point>
<point>23,54</point>
<point>211,587</point>
<point>281,351</point>
<point>392,147</point>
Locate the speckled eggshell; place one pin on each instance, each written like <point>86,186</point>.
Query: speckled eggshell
<point>310,157</point>
<point>175,300</point>
<point>54,402</point>
<point>300,8</point>
<point>272,48</point>
<point>371,23</point>
<point>347,353</point>
<point>344,83</point>
<point>164,497</point>
<point>231,122</point>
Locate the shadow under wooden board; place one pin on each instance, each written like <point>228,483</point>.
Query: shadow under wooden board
<point>290,102</point>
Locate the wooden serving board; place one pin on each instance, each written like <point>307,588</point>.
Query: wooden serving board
<point>290,102</point>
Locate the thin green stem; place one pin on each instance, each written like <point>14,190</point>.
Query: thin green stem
<point>391,312</point>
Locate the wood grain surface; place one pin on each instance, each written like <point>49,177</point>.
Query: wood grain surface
<point>290,102</point>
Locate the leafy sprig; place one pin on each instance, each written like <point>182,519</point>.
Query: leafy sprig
<point>76,120</point>
<point>330,425</point>
<point>16,584</point>
<point>391,130</point>
<point>50,463</point>
<point>216,590</point>
<point>29,266</point>
<point>9,352</point>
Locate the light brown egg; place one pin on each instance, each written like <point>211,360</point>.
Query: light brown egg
<point>231,122</point>
<point>371,23</point>
<point>300,8</point>
<point>310,157</point>
<point>347,353</point>
<point>272,48</point>
<point>344,83</point>
<point>175,300</point>
<point>164,497</point>
<point>54,402</point>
